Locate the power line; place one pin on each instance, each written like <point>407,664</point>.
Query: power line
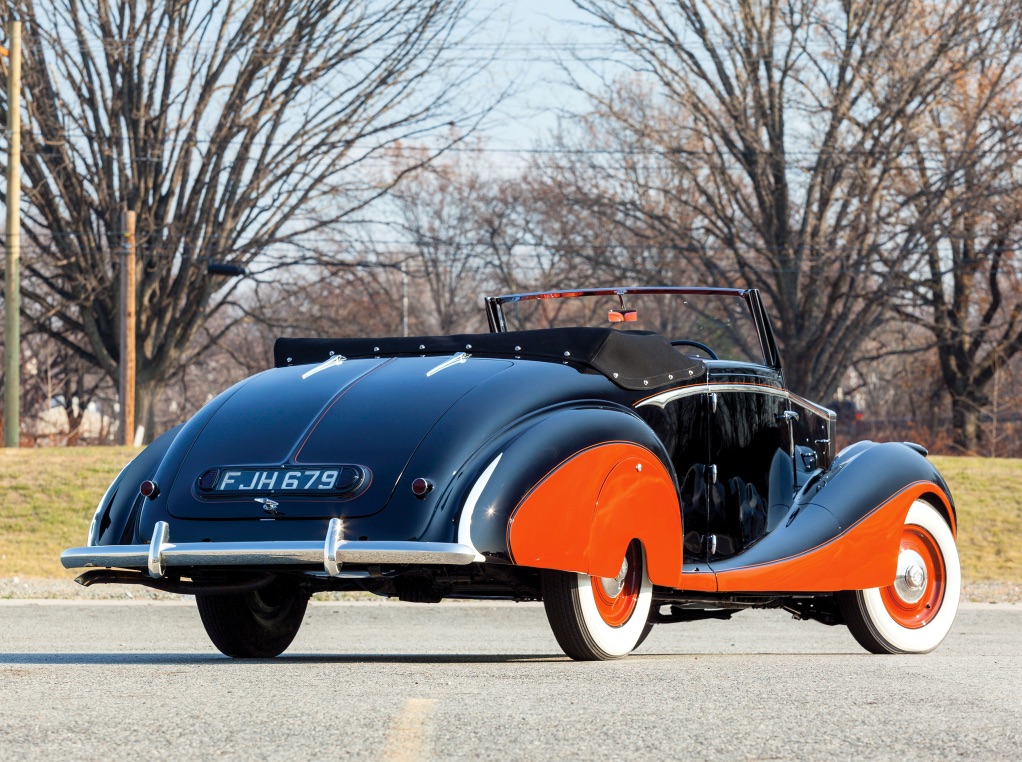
<point>385,153</point>
<point>412,249</point>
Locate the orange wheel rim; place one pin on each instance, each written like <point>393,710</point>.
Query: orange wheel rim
<point>915,597</point>
<point>616,609</point>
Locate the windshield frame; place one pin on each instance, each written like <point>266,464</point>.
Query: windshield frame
<point>751,296</point>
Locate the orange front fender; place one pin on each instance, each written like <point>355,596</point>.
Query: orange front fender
<point>863,556</point>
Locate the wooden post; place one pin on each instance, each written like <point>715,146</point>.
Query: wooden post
<point>127,359</point>
<point>12,239</point>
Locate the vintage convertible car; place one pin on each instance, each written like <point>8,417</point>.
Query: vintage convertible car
<point>629,456</point>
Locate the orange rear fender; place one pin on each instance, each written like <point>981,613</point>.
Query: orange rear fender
<point>584,513</point>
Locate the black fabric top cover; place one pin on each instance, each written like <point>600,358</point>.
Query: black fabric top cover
<point>631,359</point>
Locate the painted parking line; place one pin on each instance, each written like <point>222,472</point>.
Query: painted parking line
<point>409,737</point>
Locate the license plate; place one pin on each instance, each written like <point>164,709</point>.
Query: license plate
<point>317,481</point>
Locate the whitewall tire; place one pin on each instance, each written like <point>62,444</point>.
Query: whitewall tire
<point>915,613</point>
<point>596,618</point>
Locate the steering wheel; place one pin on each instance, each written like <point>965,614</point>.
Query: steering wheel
<point>697,344</point>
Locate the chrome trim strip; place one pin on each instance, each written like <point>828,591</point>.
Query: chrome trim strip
<point>154,560</point>
<point>328,363</point>
<point>465,520</point>
<point>103,503</point>
<point>823,412</point>
<point>662,399</point>
<point>458,359</point>
<point>759,388</point>
<point>308,553</point>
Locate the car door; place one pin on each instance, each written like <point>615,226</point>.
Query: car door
<point>750,473</point>
<point>681,421</point>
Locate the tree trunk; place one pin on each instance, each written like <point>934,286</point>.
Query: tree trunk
<point>966,409</point>
<point>74,423</point>
<point>147,397</point>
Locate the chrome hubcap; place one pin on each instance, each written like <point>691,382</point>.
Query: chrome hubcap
<point>613,586</point>
<point>910,583</point>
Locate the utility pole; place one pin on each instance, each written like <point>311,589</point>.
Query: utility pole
<point>127,360</point>
<point>404,300</point>
<point>12,239</point>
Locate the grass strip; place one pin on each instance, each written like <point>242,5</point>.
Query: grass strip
<point>48,495</point>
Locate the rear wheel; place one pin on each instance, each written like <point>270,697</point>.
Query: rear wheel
<point>913,614</point>
<point>598,618</point>
<point>259,624</point>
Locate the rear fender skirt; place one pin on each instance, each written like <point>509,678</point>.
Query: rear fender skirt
<point>863,556</point>
<point>584,513</point>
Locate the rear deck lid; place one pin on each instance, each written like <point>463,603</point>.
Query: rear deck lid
<point>334,443</point>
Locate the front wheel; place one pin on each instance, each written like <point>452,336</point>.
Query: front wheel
<point>913,614</point>
<point>599,618</point>
<point>259,624</point>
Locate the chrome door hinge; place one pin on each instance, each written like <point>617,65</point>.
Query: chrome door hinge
<point>713,402</point>
<point>713,473</point>
<point>711,544</point>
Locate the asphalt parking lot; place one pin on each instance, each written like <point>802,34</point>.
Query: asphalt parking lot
<point>126,680</point>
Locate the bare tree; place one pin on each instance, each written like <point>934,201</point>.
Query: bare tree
<point>451,226</point>
<point>786,119</point>
<point>517,221</point>
<point>233,130</point>
<point>435,238</point>
<point>446,237</point>
<point>612,207</point>
<point>965,161</point>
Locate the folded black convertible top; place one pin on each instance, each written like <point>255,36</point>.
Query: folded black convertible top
<point>631,359</point>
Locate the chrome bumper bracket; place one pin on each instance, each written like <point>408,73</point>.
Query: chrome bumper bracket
<point>334,533</point>
<point>161,537</point>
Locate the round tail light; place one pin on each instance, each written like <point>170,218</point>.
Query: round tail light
<point>421,487</point>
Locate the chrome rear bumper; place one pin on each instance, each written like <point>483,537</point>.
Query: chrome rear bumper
<point>330,555</point>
